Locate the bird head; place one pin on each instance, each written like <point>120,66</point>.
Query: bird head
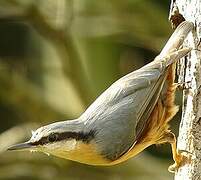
<point>49,139</point>
<point>63,139</point>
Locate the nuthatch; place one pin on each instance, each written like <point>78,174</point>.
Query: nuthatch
<point>132,114</point>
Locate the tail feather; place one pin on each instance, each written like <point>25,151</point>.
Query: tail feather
<point>177,38</point>
<point>172,57</point>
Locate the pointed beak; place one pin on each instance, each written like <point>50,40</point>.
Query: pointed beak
<point>21,146</point>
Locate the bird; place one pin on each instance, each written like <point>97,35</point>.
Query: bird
<point>129,116</point>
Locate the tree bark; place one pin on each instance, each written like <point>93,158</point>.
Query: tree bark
<point>189,140</point>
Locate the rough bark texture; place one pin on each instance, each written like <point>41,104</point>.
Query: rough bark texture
<point>190,73</point>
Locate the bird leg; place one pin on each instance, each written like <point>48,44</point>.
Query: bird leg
<point>178,158</point>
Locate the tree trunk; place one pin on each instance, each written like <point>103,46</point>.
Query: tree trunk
<point>189,140</point>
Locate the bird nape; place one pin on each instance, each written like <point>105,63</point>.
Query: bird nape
<point>132,114</point>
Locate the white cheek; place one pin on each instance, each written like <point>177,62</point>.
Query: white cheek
<point>68,145</point>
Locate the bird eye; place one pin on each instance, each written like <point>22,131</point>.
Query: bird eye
<point>52,137</point>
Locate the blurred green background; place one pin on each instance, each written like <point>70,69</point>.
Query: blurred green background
<point>56,57</point>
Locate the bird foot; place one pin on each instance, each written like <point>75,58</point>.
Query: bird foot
<point>180,160</point>
<point>182,85</point>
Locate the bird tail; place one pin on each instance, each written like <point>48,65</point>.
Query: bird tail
<point>177,39</point>
<point>173,50</point>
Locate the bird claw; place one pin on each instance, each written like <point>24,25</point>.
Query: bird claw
<point>173,168</point>
<point>182,85</point>
<point>180,160</point>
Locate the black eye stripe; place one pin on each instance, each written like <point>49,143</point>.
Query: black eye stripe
<point>79,136</point>
<point>42,141</point>
<point>53,137</point>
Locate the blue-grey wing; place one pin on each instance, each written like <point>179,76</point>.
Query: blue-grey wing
<point>119,115</point>
<point>120,109</point>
